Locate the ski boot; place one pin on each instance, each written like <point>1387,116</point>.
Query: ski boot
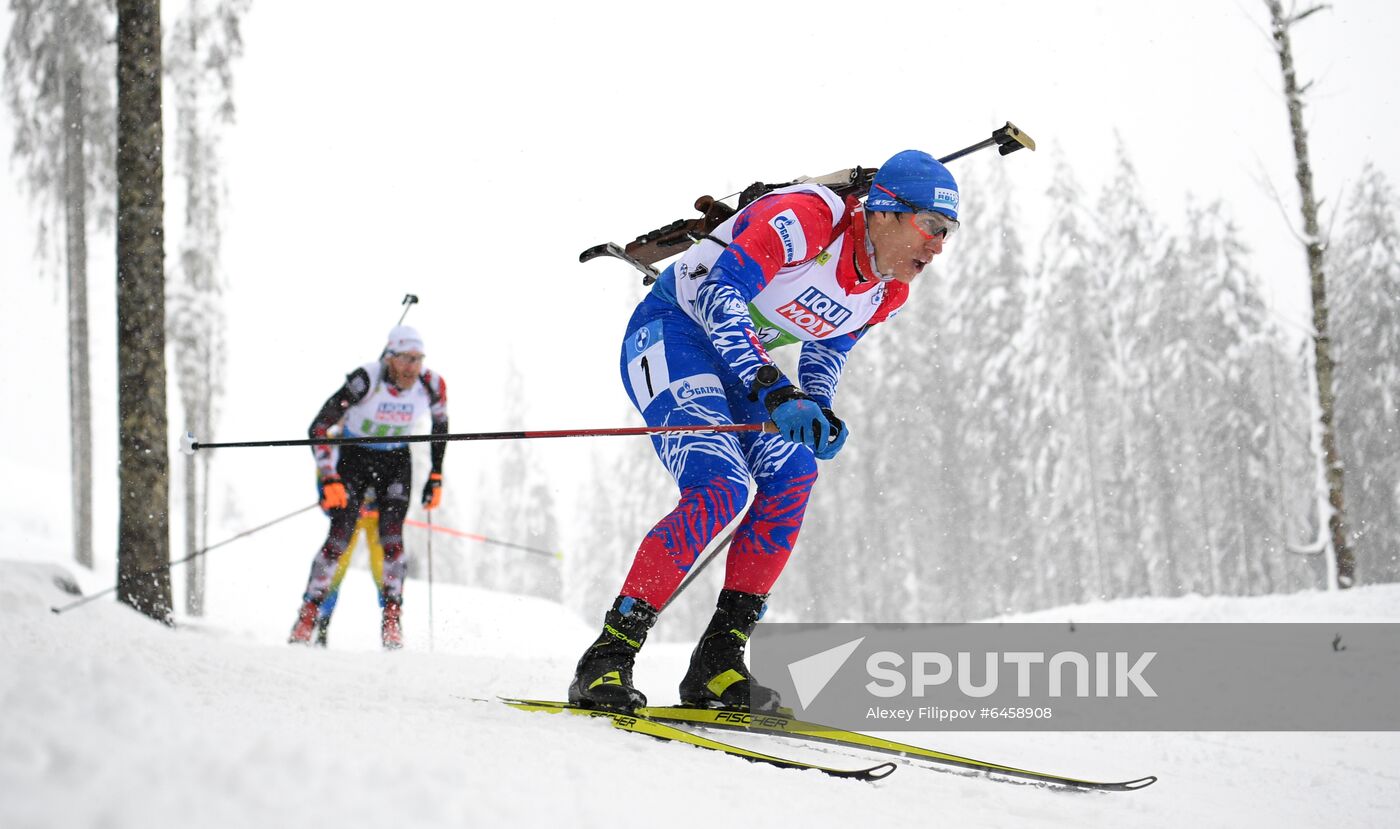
<point>305,624</point>
<point>389,630</point>
<point>323,629</point>
<point>603,678</point>
<point>718,677</point>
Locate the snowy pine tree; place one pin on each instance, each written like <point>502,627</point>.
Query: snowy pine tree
<point>1366,262</point>
<point>988,287</point>
<point>517,505</point>
<point>1130,248</point>
<point>60,87</point>
<point>1230,327</point>
<point>204,42</point>
<point>1060,386</point>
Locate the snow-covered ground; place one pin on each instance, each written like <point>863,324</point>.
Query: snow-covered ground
<point>108,719</point>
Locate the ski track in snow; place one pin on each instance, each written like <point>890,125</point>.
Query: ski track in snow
<point>115,721</point>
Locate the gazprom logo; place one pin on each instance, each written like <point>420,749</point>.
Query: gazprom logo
<point>790,232</point>
<point>699,385</point>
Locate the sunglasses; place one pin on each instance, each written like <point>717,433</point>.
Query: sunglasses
<point>933,225</point>
<point>927,222</point>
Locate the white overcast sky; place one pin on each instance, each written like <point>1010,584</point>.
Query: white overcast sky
<point>467,152</point>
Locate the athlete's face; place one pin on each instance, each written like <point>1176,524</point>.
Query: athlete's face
<point>404,369</point>
<point>904,243</point>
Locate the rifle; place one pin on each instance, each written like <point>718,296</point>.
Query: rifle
<point>669,240</point>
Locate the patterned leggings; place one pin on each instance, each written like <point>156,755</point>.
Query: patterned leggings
<point>675,377</point>
<point>388,473</point>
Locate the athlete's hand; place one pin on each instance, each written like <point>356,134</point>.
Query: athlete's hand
<point>798,417</point>
<point>333,494</point>
<point>839,432</point>
<point>432,491</point>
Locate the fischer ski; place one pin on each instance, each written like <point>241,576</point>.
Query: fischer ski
<point>639,724</point>
<point>724,718</point>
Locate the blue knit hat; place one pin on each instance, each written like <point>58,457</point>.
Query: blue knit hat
<point>917,178</point>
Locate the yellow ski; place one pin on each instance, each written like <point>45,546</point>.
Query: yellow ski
<point>799,729</point>
<point>640,724</point>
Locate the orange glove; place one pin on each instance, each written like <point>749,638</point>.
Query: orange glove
<point>432,491</point>
<point>333,493</point>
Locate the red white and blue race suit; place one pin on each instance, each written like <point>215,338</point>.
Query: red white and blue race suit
<point>368,405</point>
<point>792,267</point>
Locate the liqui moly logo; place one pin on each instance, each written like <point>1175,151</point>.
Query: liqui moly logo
<point>815,312</point>
<point>394,413</point>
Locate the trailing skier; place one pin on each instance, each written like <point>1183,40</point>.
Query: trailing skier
<point>379,399</point>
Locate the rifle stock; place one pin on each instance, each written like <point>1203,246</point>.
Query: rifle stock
<point>670,240</point>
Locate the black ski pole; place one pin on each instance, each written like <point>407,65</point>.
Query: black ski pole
<point>189,445</point>
<point>190,557</point>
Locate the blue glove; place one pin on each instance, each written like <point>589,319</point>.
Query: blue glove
<point>838,436</point>
<point>798,417</point>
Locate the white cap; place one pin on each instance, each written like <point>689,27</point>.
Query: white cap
<point>404,338</point>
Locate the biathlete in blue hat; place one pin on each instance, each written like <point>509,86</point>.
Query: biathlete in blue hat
<point>798,265</point>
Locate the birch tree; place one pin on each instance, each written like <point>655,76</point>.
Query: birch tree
<point>1332,472</point>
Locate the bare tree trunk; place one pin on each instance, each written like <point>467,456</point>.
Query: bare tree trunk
<point>1272,569</point>
<point>194,395</point>
<point>1165,490</point>
<point>1091,459</point>
<point>1208,575</point>
<point>1245,569</point>
<point>1313,243</point>
<point>143,544</point>
<point>79,375</point>
<point>194,575</point>
<point>197,510</point>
